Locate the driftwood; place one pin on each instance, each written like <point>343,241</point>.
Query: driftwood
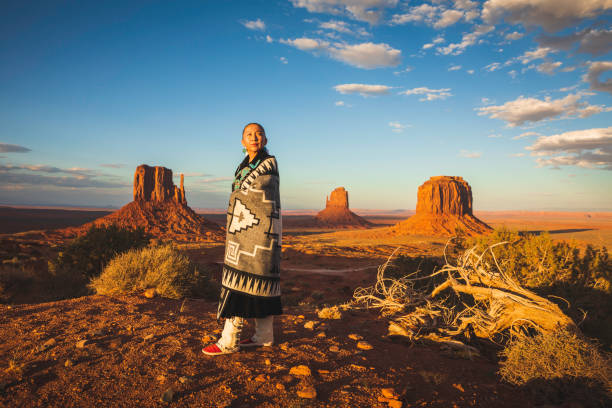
<point>488,303</point>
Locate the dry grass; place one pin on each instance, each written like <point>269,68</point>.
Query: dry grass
<point>161,267</point>
<point>555,355</point>
<point>332,312</point>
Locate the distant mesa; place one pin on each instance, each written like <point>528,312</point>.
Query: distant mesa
<point>337,214</point>
<point>444,204</point>
<point>160,207</point>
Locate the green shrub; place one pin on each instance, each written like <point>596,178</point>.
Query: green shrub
<point>553,356</point>
<point>89,253</point>
<point>538,261</point>
<point>161,267</point>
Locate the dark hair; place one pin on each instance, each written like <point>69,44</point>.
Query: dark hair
<point>253,123</point>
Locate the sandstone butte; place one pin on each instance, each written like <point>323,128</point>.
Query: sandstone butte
<point>160,207</point>
<point>444,204</point>
<point>337,213</point>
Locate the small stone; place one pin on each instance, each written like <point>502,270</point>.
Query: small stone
<point>310,325</point>
<point>358,368</point>
<point>116,343</point>
<point>364,345</point>
<point>208,339</point>
<point>82,343</point>
<point>287,378</point>
<point>148,337</point>
<point>260,378</point>
<point>300,370</point>
<point>284,347</point>
<point>185,380</point>
<point>68,363</point>
<point>334,349</point>
<point>161,378</point>
<point>321,334</point>
<point>168,395</point>
<point>322,372</point>
<point>268,362</point>
<point>355,337</point>
<point>149,293</point>
<point>301,317</point>
<point>280,386</point>
<point>99,332</point>
<point>50,343</point>
<point>307,391</point>
<point>459,387</point>
<point>389,393</point>
<point>395,404</point>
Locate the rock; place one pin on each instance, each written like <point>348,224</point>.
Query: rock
<point>444,204</point>
<point>334,349</point>
<point>185,380</point>
<point>148,337</point>
<point>115,343</point>
<point>68,363</point>
<point>287,378</point>
<point>47,345</point>
<point>300,370</point>
<point>155,184</point>
<point>337,213</point>
<point>459,387</point>
<point>150,293</point>
<point>389,393</point>
<point>167,396</point>
<point>307,391</point>
<point>280,386</point>
<point>359,368</point>
<point>161,378</point>
<point>99,332</point>
<point>82,343</point>
<point>261,378</point>
<point>267,362</point>
<point>395,404</point>
<point>354,336</point>
<point>321,334</point>
<point>208,339</point>
<point>310,325</point>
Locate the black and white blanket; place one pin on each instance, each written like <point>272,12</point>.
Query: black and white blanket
<point>253,239</point>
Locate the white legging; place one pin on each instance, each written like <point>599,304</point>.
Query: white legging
<point>264,333</point>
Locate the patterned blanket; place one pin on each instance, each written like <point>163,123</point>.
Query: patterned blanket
<point>254,233</point>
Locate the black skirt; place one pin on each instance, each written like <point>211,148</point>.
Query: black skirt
<point>243,305</point>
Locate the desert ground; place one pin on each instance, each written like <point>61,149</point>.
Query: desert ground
<point>134,351</point>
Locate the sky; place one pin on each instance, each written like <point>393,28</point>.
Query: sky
<point>515,96</point>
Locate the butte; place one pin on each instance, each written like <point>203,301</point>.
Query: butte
<point>444,205</point>
<point>337,214</point>
<point>160,208</point>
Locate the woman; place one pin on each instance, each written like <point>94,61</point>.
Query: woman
<point>251,269</point>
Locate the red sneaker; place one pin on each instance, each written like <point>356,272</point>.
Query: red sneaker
<point>214,350</point>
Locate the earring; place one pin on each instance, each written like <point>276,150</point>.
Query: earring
<point>244,150</point>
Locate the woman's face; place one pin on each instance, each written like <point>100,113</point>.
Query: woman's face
<point>253,139</point>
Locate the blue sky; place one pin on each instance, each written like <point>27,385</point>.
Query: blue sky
<point>373,95</point>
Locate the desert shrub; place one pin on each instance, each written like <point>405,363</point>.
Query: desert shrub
<point>558,355</point>
<point>89,253</point>
<point>537,261</point>
<point>13,278</point>
<point>161,267</point>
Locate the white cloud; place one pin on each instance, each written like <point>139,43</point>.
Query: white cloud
<point>590,148</point>
<point>514,36</point>
<point>552,15</point>
<point>485,101</point>
<point>512,73</point>
<point>522,110</point>
<point>592,76</point>
<point>548,67</point>
<point>517,154</point>
<point>269,39</point>
<point>283,60</point>
<point>254,25</point>
<point>494,136</point>
<point>343,27</point>
<point>468,39</point>
<point>470,71</point>
<point>448,18</point>
<point>424,12</point>
<point>591,41</point>
<point>430,94</point>
<point>454,68</point>
<point>397,127</point>
<point>428,46</point>
<point>362,10</point>
<point>363,89</point>
<point>339,103</point>
<point>404,71</point>
<point>306,44</point>
<point>526,134</point>
<point>365,55</point>
<point>470,155</point>
<point>538,53</point>
<point>494,66</point>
